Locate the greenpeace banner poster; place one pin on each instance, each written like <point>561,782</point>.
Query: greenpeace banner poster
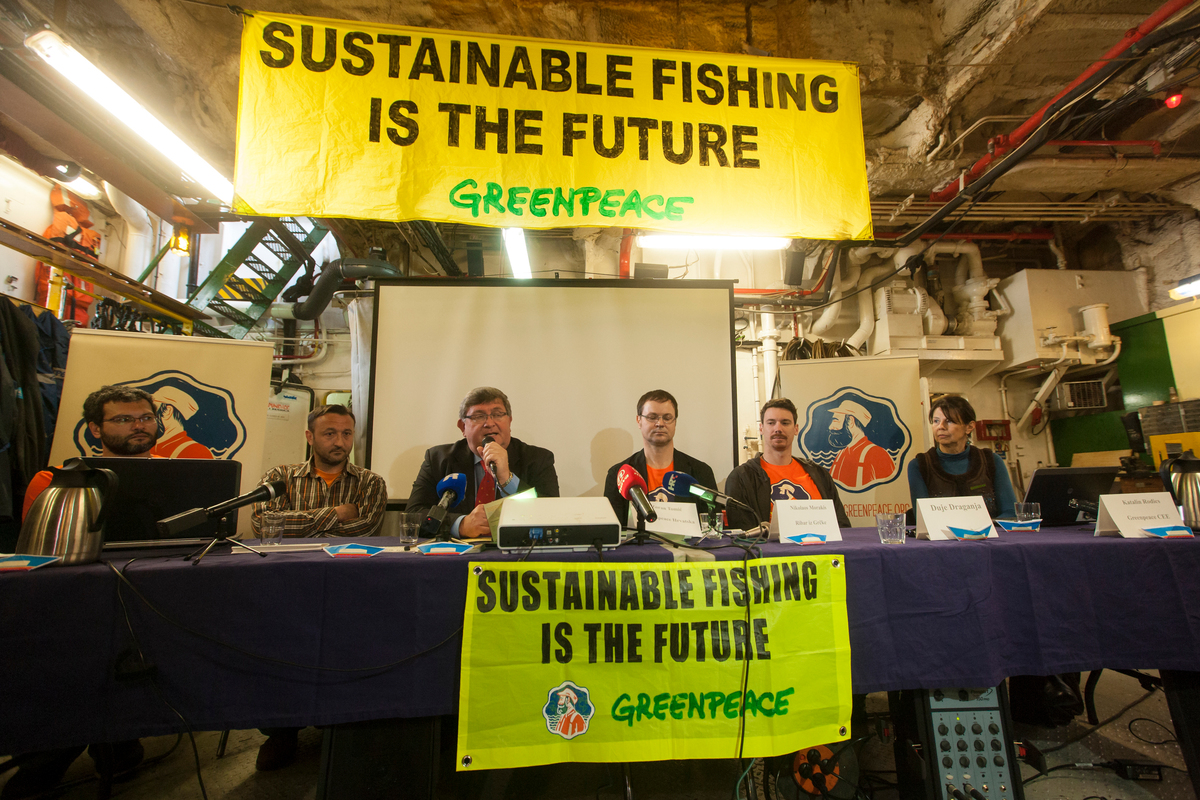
<point>351,119</point>
<point>861,420</point>
<point>643,662</point>
<point>211,395</point>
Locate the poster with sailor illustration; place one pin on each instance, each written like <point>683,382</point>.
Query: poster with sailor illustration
<point>861,420</point>
<point>210,397</point>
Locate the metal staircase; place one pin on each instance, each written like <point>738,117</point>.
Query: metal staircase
<point>287,240</point>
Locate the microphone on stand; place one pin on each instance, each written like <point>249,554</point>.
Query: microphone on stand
<point>632,487</point>
<point>173,526</point>
<point>681,484</point>
<point>451,488</point>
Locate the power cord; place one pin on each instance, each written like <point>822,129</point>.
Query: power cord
<point>1132,733</point>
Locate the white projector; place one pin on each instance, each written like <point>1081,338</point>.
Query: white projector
<point>557,523</point>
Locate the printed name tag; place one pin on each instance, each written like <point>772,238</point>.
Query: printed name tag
<point>954,519</point>
<point>805,522</point>
<point>1140,516</point>
<point>675,519</point>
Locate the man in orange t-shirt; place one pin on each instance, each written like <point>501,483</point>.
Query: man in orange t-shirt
<point>776,474</point>
<point>656,417</point>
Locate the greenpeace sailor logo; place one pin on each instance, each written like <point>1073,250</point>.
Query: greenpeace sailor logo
<point>568,710</point>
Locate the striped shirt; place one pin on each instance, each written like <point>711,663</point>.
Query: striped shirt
<point>309,503</point>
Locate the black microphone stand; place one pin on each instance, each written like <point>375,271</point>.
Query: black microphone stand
<point>222,537</point>
<point>640,537</point>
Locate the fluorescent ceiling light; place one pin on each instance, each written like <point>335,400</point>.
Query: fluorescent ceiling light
<point>687,242</point>
<point>77,69</point>
<point>518,255</point>
<point>1188,287</point>
<point>83,187</point>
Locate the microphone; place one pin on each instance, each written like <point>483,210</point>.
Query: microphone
<point>172,526</point>
<point>681,484</point>
<point>632,487</point>
<point>491,465</point>
<point>451,488</point>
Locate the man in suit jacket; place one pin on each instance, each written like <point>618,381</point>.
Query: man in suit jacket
<point>485,411</point>
<point>656,417</point>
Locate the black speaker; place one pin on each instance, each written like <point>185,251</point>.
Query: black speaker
<point>388,758</point>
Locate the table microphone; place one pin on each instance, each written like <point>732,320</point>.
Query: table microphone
<point>172,526</point>
<point>632,487</point>
<point>451,488</point>
<point>681,484</point>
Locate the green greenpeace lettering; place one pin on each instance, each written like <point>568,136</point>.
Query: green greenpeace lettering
<point>700,705</point>
<point>560,201</point>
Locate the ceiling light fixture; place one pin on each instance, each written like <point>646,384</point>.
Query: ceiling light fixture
<point>81,72</point>
<point>518,253</point>
<point>1173,101</point>
<point>181,240</point>
<point>1188,287</point>
<point>83,187</point>
<point>687,242</point>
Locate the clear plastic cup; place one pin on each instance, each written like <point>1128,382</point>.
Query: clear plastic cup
<point>1026,512</point>
<point>891,528</point>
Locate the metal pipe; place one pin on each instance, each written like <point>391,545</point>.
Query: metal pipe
<point>331,279</point>
<point>1154,145</point>
<point>770,348</point>
<point>999,145</point>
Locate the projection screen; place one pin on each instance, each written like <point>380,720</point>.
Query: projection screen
<point>573,356</point>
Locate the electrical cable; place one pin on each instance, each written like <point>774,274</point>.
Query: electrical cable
<point>270,659</point>
<point>154,681</point>
<point>1172,740</point>
<point>1098,726</point>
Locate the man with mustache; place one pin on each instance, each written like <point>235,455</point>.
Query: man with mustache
<point>122,418</point>
<point>860,460</point>
<point>776,474</point>
<point>327,495</point>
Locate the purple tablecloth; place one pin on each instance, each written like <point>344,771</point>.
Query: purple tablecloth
<point>62,636</point>
<point>927,614</point>
<point>922,614</point>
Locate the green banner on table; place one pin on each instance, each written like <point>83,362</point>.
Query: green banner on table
<point>641,662</point>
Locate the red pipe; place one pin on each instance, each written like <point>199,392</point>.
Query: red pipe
<point>1038,236</point>
<point>999,145</point>
<point>1154,145</point>
<point>626,248</point>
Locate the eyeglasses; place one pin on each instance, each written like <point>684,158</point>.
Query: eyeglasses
<point>479,417</point>
<point>653,419</point>
<point>144,419</point>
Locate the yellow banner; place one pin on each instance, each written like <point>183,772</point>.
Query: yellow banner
<point>644,662</point>
<point>347,119</point>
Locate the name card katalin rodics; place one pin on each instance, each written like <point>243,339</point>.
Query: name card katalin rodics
<point>1136,516</point>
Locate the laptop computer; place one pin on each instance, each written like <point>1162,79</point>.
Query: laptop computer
<point>1056,487</point>
<point>150,489</point>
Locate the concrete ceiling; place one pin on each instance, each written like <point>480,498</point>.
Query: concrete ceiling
<point>930,68</point>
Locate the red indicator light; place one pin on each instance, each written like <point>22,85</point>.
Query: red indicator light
<point>1173,101</point>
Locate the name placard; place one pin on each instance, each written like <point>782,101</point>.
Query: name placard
<point>674,519</point>
<point>1140,516</point>
<point>805,522</point>
<point>954,518</point>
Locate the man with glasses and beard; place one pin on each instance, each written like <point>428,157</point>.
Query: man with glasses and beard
<point>485,412</point>
<point>122,418</point>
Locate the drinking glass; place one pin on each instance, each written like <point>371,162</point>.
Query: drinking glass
<point>270,529</point>
<point>407,527</point>
<point>1027,511</point>
<point>891,528</point>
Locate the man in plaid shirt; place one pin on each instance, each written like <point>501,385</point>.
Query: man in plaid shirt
<point>327,495</point>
